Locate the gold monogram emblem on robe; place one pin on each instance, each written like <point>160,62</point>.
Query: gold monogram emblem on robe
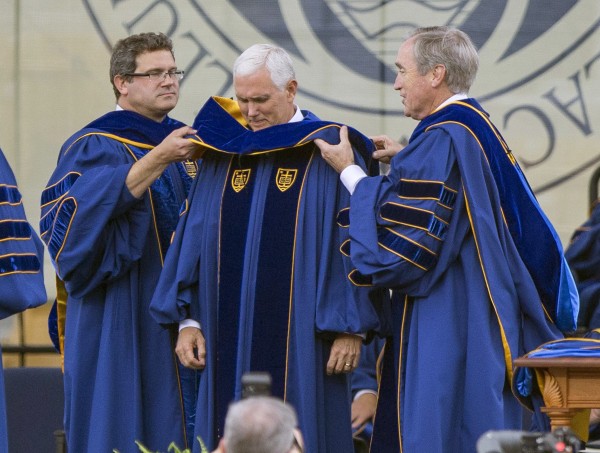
<point>240,179</point>
<point>191,168</point>
<point>285,178</point>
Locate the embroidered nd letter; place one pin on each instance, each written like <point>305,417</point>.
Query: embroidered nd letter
<point>285,178</point>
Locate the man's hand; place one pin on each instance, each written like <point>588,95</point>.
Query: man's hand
<point>363,410</point>
<point>338,156</point>
<point>191,348</point>
<point>386,148</point>
<point>174,148</point>
<point>345,353</point>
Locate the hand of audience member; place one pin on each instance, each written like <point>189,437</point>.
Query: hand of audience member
<point>363,410</point>
<point>345,354</point>
<point>338,156</point>
<point>386,148</point>
<point>191,348</point>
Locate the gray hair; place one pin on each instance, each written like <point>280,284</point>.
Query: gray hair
<point>275,59</point>
<point>450,47</point>
<point>259,424</point>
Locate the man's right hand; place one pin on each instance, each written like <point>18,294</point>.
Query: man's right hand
<point>175,147</point>
<point>191,348</point>
<point>338,156</point>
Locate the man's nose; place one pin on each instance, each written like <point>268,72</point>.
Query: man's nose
<point>252,109</point>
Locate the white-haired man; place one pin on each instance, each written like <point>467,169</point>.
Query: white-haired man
<point>259,260</point>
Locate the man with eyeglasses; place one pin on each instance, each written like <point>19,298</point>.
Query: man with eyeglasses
<point>108,213</point>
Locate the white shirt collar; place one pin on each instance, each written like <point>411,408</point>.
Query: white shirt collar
<point>456,97</point>
<point>298,116</point>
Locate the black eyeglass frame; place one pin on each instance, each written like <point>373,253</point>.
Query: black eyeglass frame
<point>158,76</point>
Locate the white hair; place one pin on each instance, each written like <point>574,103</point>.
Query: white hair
<point>275,59</point>
<point>259,424</point>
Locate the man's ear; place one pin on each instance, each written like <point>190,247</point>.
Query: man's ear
<point>438,75</point>
<point>120,84</point>
<point>292,88</point>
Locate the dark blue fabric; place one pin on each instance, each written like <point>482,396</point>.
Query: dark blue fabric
<point>234,138</point>
<point>568,347</point>
<point>51,193</point>
<point>167,193</point>
<point>583,256</point>
<point>18,264</point>
<point>21,273</point>
<point>108,248</point>
<point>529,227</point>
<point>10,195</point>
<point>133,126</point>
<point>276,255</point>
<point>21,251</point>
<point>321,300</point>
<point>462,321</point>
<point>233,238</point>
<point>53,331</point>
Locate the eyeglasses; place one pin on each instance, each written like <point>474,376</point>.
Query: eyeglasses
<point>158,76</point>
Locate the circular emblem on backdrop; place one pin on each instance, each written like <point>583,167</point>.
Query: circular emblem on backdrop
<point>344,51</point>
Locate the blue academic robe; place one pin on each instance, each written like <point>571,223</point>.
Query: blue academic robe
<point>21,266</point>
<point>257,259</point>
<point>478,276</point>
<point>583,256</point>
<point>120,372</point>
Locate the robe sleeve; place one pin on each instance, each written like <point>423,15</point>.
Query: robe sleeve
<point>21,251</point>
<point>343,303</point>
<point>583,256</point>
<point>399,223</point>
<point>176,288</point>
<point>193,253</point>
<point>93,226</point>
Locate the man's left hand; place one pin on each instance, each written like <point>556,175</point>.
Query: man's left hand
<point>345,354</point>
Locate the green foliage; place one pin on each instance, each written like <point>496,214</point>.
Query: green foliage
<point>173,448</point>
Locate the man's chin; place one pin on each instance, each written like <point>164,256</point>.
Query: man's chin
<point>259,126</point>
<point>168,104</point>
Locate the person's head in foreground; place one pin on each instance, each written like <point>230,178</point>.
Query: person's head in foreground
<point>261,424</point>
